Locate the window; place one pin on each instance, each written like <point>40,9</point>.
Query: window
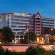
<point>8,19</point>
<point>37,21</point>
<point>8,22</point>
<point>16,32</point>
<point>37,24</point>
<point>8,15</point>
<point>38,18</point>
<point>7,25</point>
<point>0,18</point>
<point>37,30</point>
<point>37,27</point>
<point>20,19</point>
<point>12,29</point>
<point>16,25</point>
<point>20,29</point>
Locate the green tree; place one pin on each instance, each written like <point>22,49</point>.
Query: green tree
<point>7,52</point>
<point>8,35</point>
<point>35,51</point>
<point>50,31</point>
<point>1,36</point>
<point>51,41</point>
<point>32,37</point>
<point>1,51</point>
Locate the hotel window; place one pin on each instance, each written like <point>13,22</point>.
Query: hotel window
<point>12,29</point>
<point>8,15</point>
<point>37,27</point>
<point>11,15</point>
<point>7,25</point>
<point>37,21</point>
<point>16,25</point>
<point>8,19</point>
<point>0,18</point>
<point>37,24</point>
<point>20,19</point>
<point>20,29</point>
<point>7,22</point>
<point>38,18</point>
<point>37,30</point>
<point>16,32</point>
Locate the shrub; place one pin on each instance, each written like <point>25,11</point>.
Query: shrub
<point>35,51</point>
<point>7,52</point>
<point>2,51</point>
<point>31,51</point>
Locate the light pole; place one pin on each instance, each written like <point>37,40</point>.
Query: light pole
<point>15,37</point>
<point>23,36</point>
<point>28,37</point>
<point>19,38</point>
<point>51,29</point>
<point>28,34</point>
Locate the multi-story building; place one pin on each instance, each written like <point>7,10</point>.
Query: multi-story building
<point>19,22</point>
<point>42,22</point>
<point>2,20</point>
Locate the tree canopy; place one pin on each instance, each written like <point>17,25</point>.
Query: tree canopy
<point>8,35</point>
<point>32,37</point>
<point>50,31</point>
<point>1,36</point>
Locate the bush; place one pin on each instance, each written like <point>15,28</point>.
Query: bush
<point>48,53</point>
<point>7,52</point>
<point>2,51</point>
<point>35,51</point>
<point>31,51</point>
<point>22,41</point>
<point>17,53</point>
<point>40,50</point>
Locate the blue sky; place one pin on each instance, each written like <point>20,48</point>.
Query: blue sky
<point>45,7</point>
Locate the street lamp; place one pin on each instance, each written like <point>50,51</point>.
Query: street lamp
<point>19,38</point>
<point>28,32</point>
<point>23,36</point>
<point>15,37</point>
<point>28,36</point>
<point>51,29</point>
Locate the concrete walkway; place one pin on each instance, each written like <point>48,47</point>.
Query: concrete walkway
<point>24,48</point>
<point>16,48</point>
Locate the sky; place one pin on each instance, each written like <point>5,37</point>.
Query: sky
<point>45,7</point>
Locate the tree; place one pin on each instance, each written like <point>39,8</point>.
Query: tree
<point>50,31</point>
<point>1,36</point>
<point>32,37</point>
<point>1,51</point>
<point>35,51</point>
<point>51,41</point>
<point>7,52</point>
<point>8,35</point>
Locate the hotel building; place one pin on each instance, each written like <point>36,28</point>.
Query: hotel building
<point>19,22</point>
